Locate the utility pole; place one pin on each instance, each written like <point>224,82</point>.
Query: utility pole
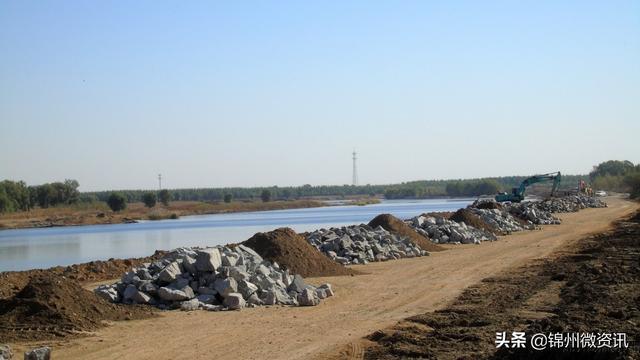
<point>355,169</point>
<point>160,182</point>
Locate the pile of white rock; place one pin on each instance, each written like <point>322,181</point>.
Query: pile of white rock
<point>501,220</point>
<point>217,278</point>
<point>570,203</point>
<point>443,231</point>
<point>533,213</point>
<point>39,353</point>
<point>504,218</point>
<point>360,244</point>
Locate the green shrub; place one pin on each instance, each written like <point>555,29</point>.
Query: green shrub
<point>633,182</point>
<point>117,202</point>
<point>165,197</point>
<point>149,199</point>
<point>265,195</point>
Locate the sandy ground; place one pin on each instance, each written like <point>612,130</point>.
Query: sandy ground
<point>389,292</point>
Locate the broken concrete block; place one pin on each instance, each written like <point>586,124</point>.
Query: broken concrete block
<point>190,305</point>
<point>169,273</point>
<point>208,259</point>
<point>297,284</point>
<point>107,292</point>
<point>5,352</point>
<point>225,286</point>
<point>247,288</point>
<point>169,294</point>
<point>41,353</point>
<point>308,298</point>
<point>136,296</point>
<point>234,301</point>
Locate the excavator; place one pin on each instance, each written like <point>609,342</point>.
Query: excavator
<point>517,194</point>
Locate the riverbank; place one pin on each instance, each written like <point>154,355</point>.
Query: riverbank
<point>591,285</point>
<point>387,292</point>
<point>99,213</point>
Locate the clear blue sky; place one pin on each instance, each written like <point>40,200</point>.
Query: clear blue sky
<point>279,93</point>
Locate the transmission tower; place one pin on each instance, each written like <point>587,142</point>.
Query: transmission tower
<point>160,181</point>
<point>355,169</point>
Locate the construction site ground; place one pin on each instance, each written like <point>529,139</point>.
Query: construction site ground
<point>386,293</point>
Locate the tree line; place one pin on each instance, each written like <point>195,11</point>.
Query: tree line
<point>17,196</point>
<point>617,175</point>
<point>413,189</point>
<point>465,187</point>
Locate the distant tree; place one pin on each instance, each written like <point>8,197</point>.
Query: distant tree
<point>149,199</point>
<point>70,191</point>
<point>6,205</point>
<point>117,202</point>
<point>165,197</point>
<point>486,187</point>
<point>265,195</point>
<point>611,167</point>
<point>286,193</point>
<point>228,198</point>
<point>45,195</point>
<point>633,182</point>
<point>88,198</point>
<point>15,196</point>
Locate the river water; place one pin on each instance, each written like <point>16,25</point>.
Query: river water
<point>41,248</point>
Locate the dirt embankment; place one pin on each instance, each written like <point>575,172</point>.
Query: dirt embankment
<point>468,217</point>
<point>11,282</point>
<point>50,303</point>
<point>389,292</point>
<point>52,306</point>
<point>393,224</point>
<point>592,288</point>
<point>293,252</point>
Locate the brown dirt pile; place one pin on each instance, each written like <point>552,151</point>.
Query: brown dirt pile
<point>488,205</point>
<point>12,282</point>
<point>469,218</point>
<point>393,224</point>
<point>592,288</point>
<point>293,252</point>
<point>438,214</point>
<point>52,306</point>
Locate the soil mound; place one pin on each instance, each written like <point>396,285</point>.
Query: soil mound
<point>105,270</point>
<point>393,224</point>
<point>489,205</point>
<point>11,282</point>
<point>293,252</point>
<point>51,306</point>
<point>438,214</point>
<point>471,219</point>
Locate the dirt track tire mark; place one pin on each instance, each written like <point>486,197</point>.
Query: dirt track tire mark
<point>356,352</point>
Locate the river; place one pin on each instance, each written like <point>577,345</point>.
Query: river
<point>24,249</point>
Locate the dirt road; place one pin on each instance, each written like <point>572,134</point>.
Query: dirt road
<point>389,292</point>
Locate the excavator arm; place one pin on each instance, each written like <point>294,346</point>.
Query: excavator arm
<point>517,194</point>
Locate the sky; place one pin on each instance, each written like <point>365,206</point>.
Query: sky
<point>214,94</point>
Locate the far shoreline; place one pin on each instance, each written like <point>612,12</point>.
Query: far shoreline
<point>99,214</point>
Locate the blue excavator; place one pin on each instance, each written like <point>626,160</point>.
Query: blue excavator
<point>517,194</point>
